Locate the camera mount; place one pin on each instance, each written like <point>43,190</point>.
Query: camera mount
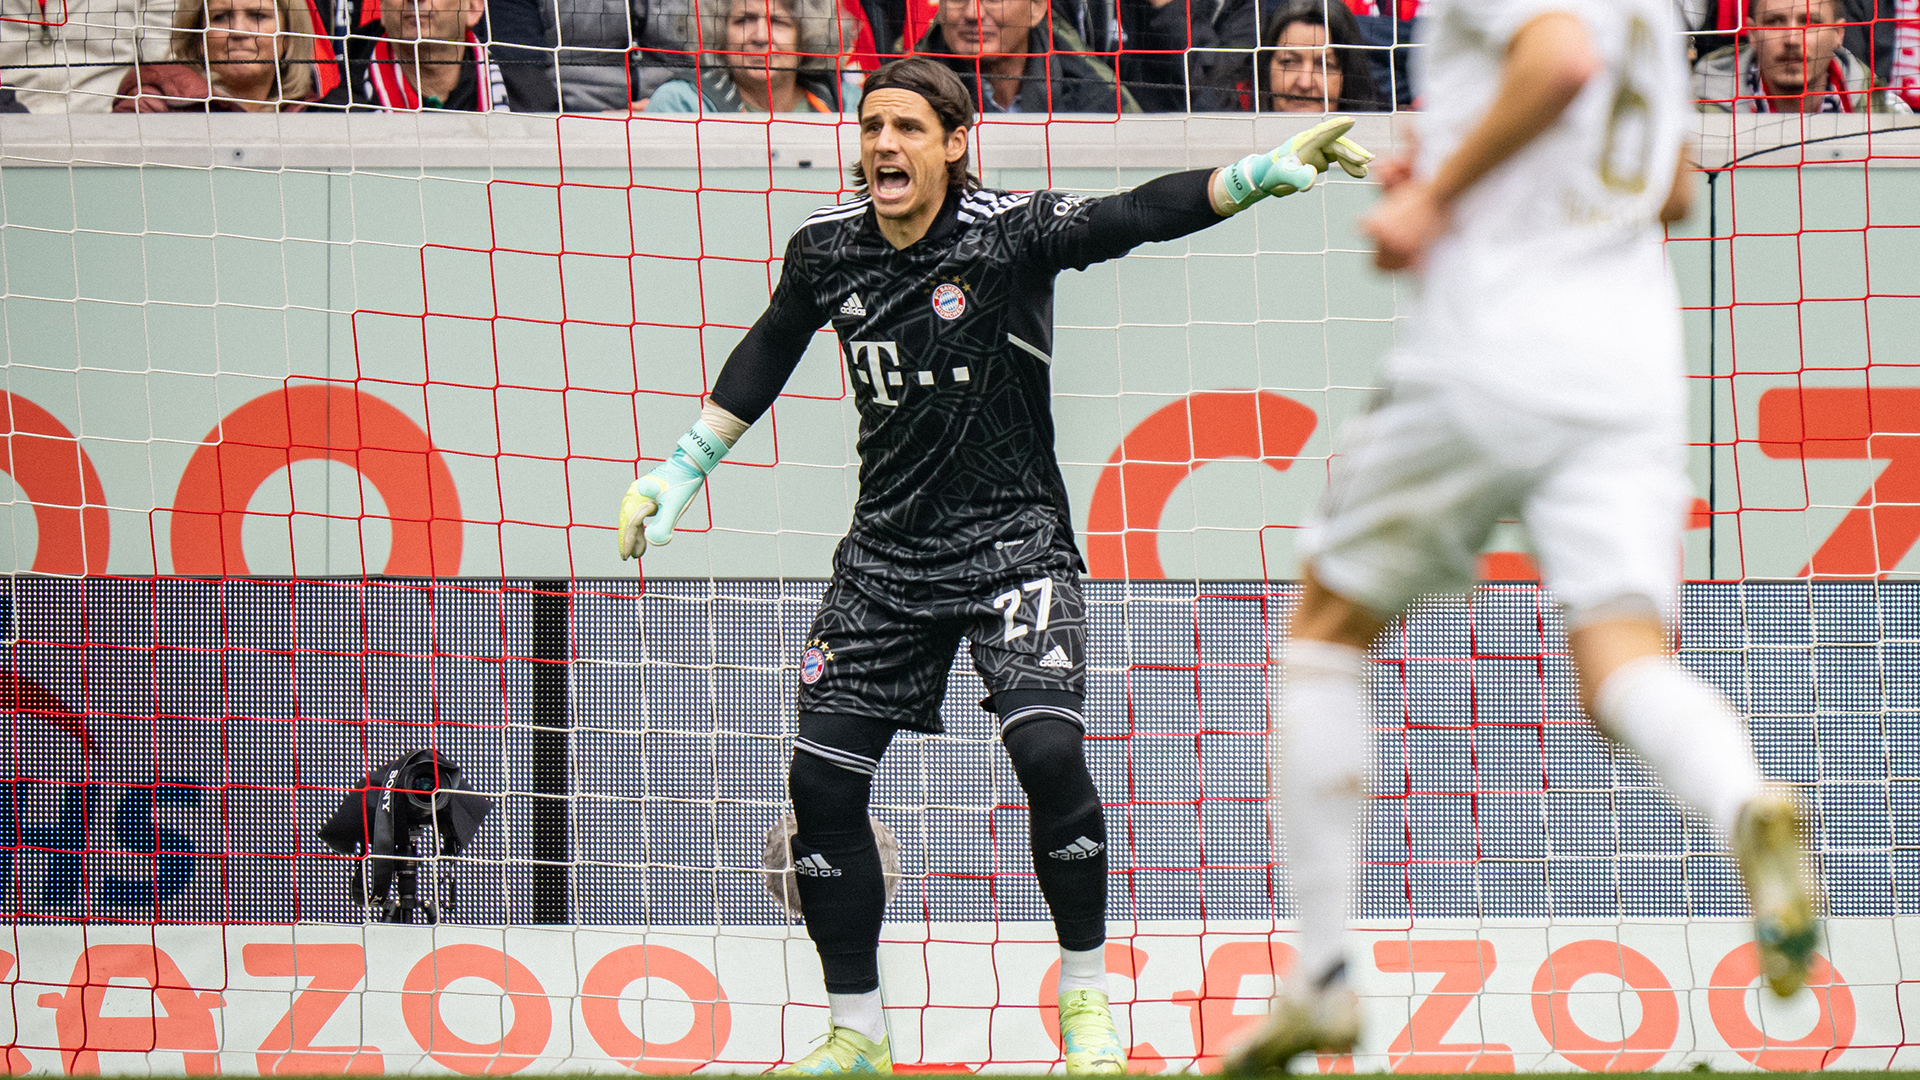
<point>400,822</point>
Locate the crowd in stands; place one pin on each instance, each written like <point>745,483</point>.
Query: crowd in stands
<point>799,56</point>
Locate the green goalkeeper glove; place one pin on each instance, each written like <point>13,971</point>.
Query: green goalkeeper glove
<point>1293,165</point>
<point>664,493</point>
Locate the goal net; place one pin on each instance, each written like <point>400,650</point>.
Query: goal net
<point>317,426</point>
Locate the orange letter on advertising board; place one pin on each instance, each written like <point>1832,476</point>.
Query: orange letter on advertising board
<point>333,971</point>
<point>420,1002</point>
<point>1831,1034</point>
<point>55,474</point>
<point>1644,1046</point>
<point>1217,1023</point>
<point>16,1061</point>
<point>1463,966</point>
<point>621,968</point>
<point>1123,519</point>
<point>303,423</point>
<point>178,1018</point>
<point>1831,422</point>
<point>1220,1016</point>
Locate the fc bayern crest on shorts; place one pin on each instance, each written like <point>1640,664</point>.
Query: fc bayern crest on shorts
<point>813,662</point>
<point>949,301</point>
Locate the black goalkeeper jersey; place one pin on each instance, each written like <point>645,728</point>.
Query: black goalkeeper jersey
<point>948,345</point>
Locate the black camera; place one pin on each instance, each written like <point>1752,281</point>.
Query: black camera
<point>403,818</point>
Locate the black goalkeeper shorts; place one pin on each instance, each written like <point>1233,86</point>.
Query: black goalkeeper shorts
<point>881,655</point>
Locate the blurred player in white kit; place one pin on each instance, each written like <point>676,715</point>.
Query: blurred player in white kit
<point>1540,376</point>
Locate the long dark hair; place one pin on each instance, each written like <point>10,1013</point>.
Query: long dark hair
<point>950,101</point>
<point>1357,93</point>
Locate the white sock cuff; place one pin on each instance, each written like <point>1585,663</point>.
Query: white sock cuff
<point>1632,679</point>
<point>859,1012</point>
<point>1307,658</point>
<point>1083,970</point>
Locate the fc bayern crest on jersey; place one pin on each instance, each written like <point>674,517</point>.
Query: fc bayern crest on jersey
<point>949,301</point>
<point>813,662</point>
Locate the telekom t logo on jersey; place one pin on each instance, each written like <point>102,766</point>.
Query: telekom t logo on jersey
<point>874,362</point>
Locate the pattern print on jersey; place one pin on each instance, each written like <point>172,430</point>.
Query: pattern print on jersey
<point>957,462</point>
<point>891,654</point>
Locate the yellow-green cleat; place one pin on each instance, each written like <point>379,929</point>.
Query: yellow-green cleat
<point>1087,1036</point>
<point>1767,841</point>
<point>845,1051</point>
<point>1322,1022</point>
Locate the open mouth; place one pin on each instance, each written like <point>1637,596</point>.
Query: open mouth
<point>890,181</point>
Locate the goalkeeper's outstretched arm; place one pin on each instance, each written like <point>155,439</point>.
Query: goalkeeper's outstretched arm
<point>1171,206</point>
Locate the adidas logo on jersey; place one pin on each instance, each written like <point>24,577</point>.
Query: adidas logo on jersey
<point>1082,848</point>
<point>1056,657</point>
<point>853,306</point>
<point>815,865</point>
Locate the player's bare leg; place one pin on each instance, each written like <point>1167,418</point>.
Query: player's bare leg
<point>1691,737</point>
<point>1321,756</point>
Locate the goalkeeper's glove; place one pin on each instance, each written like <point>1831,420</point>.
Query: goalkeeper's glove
<point>1293,165</point>
<point>664,493</point>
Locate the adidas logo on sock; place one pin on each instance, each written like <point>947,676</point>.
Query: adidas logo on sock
<point>815,865</point>
<point>1056,657</point>
<point>1082,848</point>
<point>853,306</point>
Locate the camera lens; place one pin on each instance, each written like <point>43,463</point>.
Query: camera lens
<point>422,784</point>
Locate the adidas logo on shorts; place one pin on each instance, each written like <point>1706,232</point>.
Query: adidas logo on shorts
<point>815,865</point>
<point>853,306</point>
<point>1082,848</point>
<point>1056,657</point>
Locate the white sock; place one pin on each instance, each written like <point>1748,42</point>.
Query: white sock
<point>859,1012</point>
<point>1085,970</point>
<point>1686,731</point>
<point>1323,751</point>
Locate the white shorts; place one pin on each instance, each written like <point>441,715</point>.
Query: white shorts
<point>1424,477</point>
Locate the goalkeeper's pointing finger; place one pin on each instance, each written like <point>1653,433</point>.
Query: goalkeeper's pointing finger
<point>1311,146</point>
<point>1292,166</point>
<point>1351,156</point>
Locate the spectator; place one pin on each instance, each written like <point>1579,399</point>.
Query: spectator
<point>1794,62</point>
<point>229,56</point>
<point>613,54</point>
<point>1367,51</point>
<point>431,55</point>
<point>1308,62</point>
<point>1152,38</point>
<point>69,55</point>
<point>765,56</point>
<point>518,35</point>
<point>1013,57</point>
<point>1871,27</point>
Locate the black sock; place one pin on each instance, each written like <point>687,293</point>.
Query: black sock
<point>842,892</point>
<point>1069,831</point>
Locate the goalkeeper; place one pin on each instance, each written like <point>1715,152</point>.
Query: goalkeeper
<point>941,293</point>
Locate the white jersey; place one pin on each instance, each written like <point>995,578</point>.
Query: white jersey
<point>1552,289</point>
